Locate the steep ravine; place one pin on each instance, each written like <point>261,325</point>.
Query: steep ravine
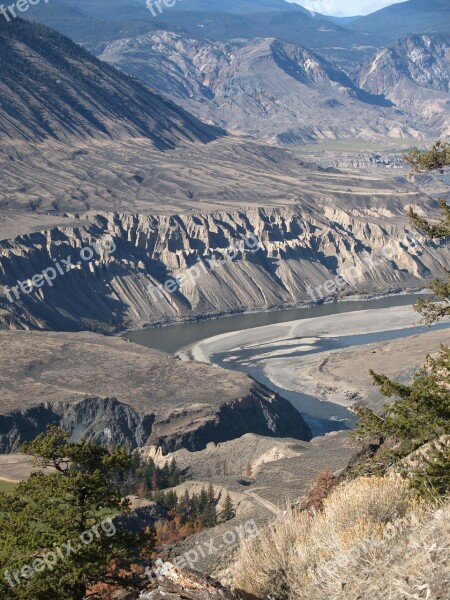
<point>297,248</point>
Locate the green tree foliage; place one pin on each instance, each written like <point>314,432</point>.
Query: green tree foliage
<point>440,229</point>
<point>228,512</point>
<point>156,478</point>
<point>420,412</point>
<point>199,508</point>
<point>68,509</point>
<point>432,476</point>
<point>437,158</point>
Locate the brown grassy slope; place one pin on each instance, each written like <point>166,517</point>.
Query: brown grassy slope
<point>372,541</point>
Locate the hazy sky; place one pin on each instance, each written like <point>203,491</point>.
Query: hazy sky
<point>345,8</point>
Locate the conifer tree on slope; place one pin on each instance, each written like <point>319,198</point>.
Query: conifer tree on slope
<point>61,510</point>
<point>420,412</point>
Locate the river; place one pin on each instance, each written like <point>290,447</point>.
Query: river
<point>173,338</point>
<point>276,348</point>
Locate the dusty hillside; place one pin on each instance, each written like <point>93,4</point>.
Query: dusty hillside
<point>260,259</point>
<point>114,391</point>
<point>52,88</point>
<point>414,73</point>
<point>371,541</point>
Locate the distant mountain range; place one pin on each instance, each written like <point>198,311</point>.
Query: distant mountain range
<point>345,41</point>
<point>76,134</point>
<point>414,16</point>
<point>238,6</point>
<point>94,23</point>
<point>414,73</point>
<point>409,68</point>
<point>282,74</point>
<point>272,89</point>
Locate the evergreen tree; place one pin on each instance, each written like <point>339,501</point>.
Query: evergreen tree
<point>47,511</point>
<point>185,501</point>
<point>420,412</point>
<point>432,475</point>
<point>171,500</point>
<point>208,517</point>
<point>437,158</point>
<point>157,478</point>
<point>211,496</point>
<point>228,511</point>
<point>202,501</point>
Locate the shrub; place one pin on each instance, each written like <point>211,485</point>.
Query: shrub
<point>303,554</point>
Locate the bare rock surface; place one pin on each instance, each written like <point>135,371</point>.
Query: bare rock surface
<point>414,73</point>
<point>272,89</point>
<point>174,584</point>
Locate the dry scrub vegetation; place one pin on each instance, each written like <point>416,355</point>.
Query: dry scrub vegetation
<point>373,540</point>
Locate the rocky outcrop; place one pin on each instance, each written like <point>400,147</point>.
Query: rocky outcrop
<point>227,261</point>
<point>107,421</point>
<point>174,584</point>
<point>414,73</point>
<point>152,398</point>
<point>421,59</point>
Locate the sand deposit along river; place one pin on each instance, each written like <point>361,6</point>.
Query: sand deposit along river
<point>282,348</point>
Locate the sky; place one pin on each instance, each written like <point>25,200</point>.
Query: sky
<point>345,8</point>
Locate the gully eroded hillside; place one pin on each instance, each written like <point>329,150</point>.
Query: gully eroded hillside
<point>227,262</point>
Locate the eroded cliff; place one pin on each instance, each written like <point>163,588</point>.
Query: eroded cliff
<point>226,262</point>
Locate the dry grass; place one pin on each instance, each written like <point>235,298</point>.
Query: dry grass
<point>371,541</point>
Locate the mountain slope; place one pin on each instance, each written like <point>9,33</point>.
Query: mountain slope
<point>414,73</point>
<point>272,89</point>
<point>240,6</point>
<point>415,60</point>
<point>414,16</point>
<point>52,88</point>
<point>115,392</point>
<point>304,245</point>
